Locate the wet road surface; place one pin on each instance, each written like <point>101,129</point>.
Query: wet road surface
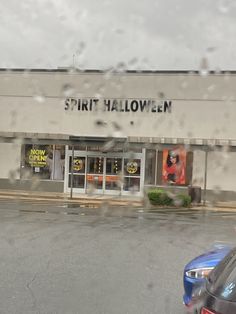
<point>60,259</point>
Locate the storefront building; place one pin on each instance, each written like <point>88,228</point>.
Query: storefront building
<point>117,133</point>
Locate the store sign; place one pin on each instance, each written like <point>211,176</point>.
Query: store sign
<point>118,105</point>
<point>37,158</point>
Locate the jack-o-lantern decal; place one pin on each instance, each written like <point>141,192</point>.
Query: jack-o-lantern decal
<point>132,167</point>
<point>78,164</point>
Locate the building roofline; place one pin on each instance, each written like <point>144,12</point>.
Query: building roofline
<point>70,69</point>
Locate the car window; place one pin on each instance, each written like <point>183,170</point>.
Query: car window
<point>222,281</point>
<point>117,153</point>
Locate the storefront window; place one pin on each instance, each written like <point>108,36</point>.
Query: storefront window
<point>43,161</point>
<point>150,166</point>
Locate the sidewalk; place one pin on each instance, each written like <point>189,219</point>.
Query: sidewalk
<point>96,200</point>
<point>220,206</point>
<point>93,199</point>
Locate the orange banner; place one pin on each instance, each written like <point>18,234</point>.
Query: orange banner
<point>99,178</point>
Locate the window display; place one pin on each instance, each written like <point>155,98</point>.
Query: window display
<point>44,161</point>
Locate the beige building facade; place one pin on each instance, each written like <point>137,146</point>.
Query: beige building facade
<point>115,133</point>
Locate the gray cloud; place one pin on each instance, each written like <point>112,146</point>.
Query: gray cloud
<point>101,34</point>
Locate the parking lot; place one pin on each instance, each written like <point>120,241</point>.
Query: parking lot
<point>54,260</point>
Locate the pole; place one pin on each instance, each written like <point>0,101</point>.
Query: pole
<point>53,161</point>
<point>205,177</point>
<point>72,173</point>
<point>156,163</point>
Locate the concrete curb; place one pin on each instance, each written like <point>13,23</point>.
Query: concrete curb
<point>94,200</point>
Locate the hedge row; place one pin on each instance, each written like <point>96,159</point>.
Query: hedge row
<point>163,198</point>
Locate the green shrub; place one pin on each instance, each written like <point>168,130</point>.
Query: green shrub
<point>184,200</point>
<point>166,200</point>
<point>162,198</point>
<point>159,197</point>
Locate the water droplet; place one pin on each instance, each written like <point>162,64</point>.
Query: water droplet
<point>178,202</point>
<point>98,96</point>
<point>35,183</point>
<point>62,17</point>
<point>81,48</point>
<point>184,84</point>
<point>217,70</point>
<point>100,123</point>
<point>68,90</point>
<point>119,31</point>
<point>211,49</point>
<point>161,95</point>
<point>224,6</point>
<point>87,84</point>
<point>91,189</point>
<point>39,98</point>
<point>204,67</point>
<point>108,145</point>
<point>211,88</point>
<point>216,189</point>
<point>101,89</point>
<point>133,61</point>
<point>13,175</point>
<point>108,74</point>
<point>120,67</point>
<point>116,126</point>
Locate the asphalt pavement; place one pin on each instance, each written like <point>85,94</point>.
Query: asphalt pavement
<point>64,258</point>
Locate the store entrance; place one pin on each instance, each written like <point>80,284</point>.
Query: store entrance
<point>99,173</point>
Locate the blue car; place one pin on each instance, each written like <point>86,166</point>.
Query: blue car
<point>198,269</point>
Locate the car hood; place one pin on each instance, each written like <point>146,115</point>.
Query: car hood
<point>208,259</point>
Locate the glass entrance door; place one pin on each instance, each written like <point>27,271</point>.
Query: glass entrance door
<point>113,175</point>
<point>95,174</point>
<point>98,173</point>
<point>79,166</point>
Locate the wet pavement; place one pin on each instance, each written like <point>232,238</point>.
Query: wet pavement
<point>60,258</point>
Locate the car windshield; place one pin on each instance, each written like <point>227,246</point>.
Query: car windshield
<point>117,153</point>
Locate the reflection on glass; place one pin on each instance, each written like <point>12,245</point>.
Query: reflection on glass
<point>113,170</point>
<point>131,184</point>
<point>78,181</point>
<point>95,181</point>
<point>113,166</point>
<point>95,165</point>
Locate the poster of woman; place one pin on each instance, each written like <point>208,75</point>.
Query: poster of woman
<point>174,166</point>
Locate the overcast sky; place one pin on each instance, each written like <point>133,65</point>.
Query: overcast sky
<point>134,34</point>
